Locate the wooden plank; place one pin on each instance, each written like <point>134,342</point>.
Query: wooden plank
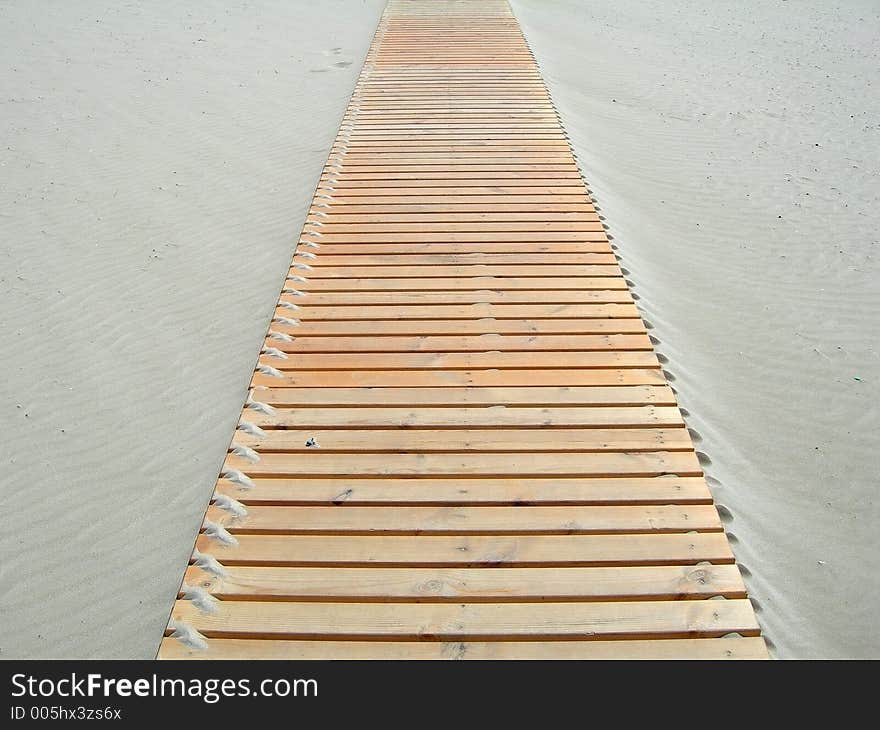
<point>464,270</point>
<point>452,378</point>
<point>495,315</point>
<point>545,122</point>
<point>463,396</point>
<point>404,491</point>
<point>514,464</point>
<point>476,283</point>
<point>447,204</point>
<point>516,585</point>
<point>421,236</point>
<point>355,250</point>
<point>450,327</point>
<point>344,182</point>
<point>529,520</point>
<point>426,141</point>
<point>469,201</point>
<point>450,175</point>
<point>479,621</point>
<point>392,172</point>
<point>463,343</point>
<point>464,360</point>
<point>472,550</point>
<point>745,648</point>
<point>497,416</point>
<point>522,201</point>
<point>520,256</point>
<point>391,271</point>
<point>458,440</point>
<point>341,224</point>
<point>479,297</point>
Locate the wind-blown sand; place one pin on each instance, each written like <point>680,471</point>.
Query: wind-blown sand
<point>155,170</point>
<point>735,150</point>
<point>156,166</point>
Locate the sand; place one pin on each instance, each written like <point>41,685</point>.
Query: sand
<point>734,149</point>
<point>155,170</point>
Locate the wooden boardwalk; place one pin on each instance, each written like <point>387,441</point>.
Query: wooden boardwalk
<point>461,442</point>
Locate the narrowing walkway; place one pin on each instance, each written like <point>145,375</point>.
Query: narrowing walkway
<point>460,442</point>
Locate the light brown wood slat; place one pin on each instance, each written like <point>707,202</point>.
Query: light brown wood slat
<point>425,141</point>
<point>436,126</point>
<point>448,176</point>
<point>522,201</point>
<point>378,328</point>
<point>519,585</point>
<point>427,137</point>
<point>492,148</point>
<point>451,133</point>
<point>466,250</point>
<point>403,491</point>
<point>487,155</point>
<point>631,619</point>
<point>472,550</point>
<point>341,182</point>
<point>474,417</point>
<point>403,256</point>
<point>499,124</point>
<point>421,236</point>
<point>745,648</point>
<point>477,131</point>
<point>466,270</point>
<point>464,360</point>
<point>472,196</point>
<point>354,229</point>
<point>452,123</point>
<point>469,396</point>
<point>487,105</point>
<point>480,440</point>
<point>470,520</point>
<point>473,140</point>
<point>449,205</point>
<point>440,147</point>
<point>393,172</point>
<point>448,172</point>
<point>403,104</point>
<point>458,441</point>
<point>514,464</point>
<point>466,343</point>
<point>479,297</point>
<point>478,283</point>
<point>494,314</point>
<point>473,135</point>
<point>452,378</point>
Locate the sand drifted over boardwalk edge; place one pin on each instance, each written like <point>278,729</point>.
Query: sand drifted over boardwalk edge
<point>459,441</point>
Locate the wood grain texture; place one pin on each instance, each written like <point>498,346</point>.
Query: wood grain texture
<point>471,621</point>
<point>516,585</point>
<point>746,648</point>
<point>519,550</point>
<point>470,440</point>
<point>532,520</point>
<point>464,491</point>
<point>458,441</point>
